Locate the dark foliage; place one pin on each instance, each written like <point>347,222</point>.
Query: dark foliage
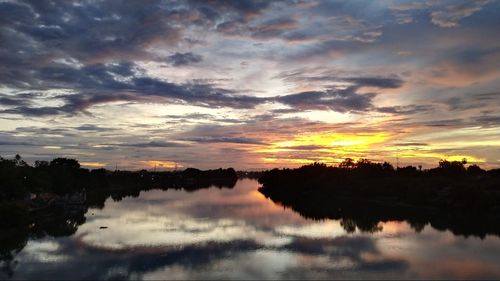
<point>362,194</point>
<point>61,177</point>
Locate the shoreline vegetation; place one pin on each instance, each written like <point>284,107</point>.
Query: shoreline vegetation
<point>464,200</point>
<point>53,198</point>
<point>64,175</point>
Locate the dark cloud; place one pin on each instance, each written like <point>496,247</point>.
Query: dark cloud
<point>352,248</point>
<point>41,130</point>
<point>337,100</point>
<point>104,83</point>
<point>404,109</point>
<point>58,45</point>
<point>18,99</point>
<point>218,139</point>
<point>445,123</point>
<point>124,81</point>
<point>378,82</point>
<point>47,32</point>
<point>182,59</point>
<point>90,127</point>
<point>16,143</point>
<point>244,9</point>
<point>493,96</point>
<point>488,120</point>
<point>98,30</point>
<point>343,99</point>
<point>151,144</point>
<point>334,75</point>
<point>33,111</point>
<point>472,56</point>
<point>7,100</point>
<point>485,101</point>
<point>101,263</point>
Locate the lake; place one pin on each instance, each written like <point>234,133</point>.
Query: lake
<point>237,233</point>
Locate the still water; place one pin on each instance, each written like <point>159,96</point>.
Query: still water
<point>239,234</point>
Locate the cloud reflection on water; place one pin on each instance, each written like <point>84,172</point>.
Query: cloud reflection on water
<point>237,234</point>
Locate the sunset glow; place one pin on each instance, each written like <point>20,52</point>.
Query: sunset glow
<point>250,84</point>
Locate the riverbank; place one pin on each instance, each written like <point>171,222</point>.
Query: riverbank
<point>463,201</point>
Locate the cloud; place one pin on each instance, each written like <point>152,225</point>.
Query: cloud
<point>65,62</point>
<point>135,263</point>
<point>217,139</point>
<point>411,144</point>
<point>32,111</point>
<point>456,12</point>
<point>183,59</point>
<point>15,143</point>
<point>90,127</point>
<point>243,10</point>
<point>488,120</point>
<point>201,116</point>
<point>378,82</point>
<point>444,14</point>
<point>337,100</point>
<point>126,82</point>
<point>105,83</point>
<point>445,123</point>
<point>470,101</point>
<point>329,75</point>
<point>306,147</point>
<point>274,28</point>
<point>404,109</point>
<point>151,144</point>
<point>340,98</point>
<point>9,101</point>
<point>90,31</point>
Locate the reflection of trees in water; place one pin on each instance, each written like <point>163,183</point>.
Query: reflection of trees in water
<point>367,215</point>
<point>62,176</point>
<point>57,224</point>
<point>65,220</point>
<point>350,225</point>
<point>361,194</point>
<point>11,243</point>
<point>54,223</point>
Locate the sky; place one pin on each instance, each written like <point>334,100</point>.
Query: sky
<point>250,84</point>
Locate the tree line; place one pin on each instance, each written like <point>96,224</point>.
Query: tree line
<point>63,175</point>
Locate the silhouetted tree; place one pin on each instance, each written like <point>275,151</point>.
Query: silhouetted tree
<point>65,162</point>
<point>348,163</point>
<point>475,170</point>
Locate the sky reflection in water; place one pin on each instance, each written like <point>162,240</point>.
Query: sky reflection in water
<point>239,234</point>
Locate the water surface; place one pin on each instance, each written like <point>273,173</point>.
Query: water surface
<point>237,233</point>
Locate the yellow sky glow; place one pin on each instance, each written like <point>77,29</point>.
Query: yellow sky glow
<point>331,147</point>
<point>93,164</point>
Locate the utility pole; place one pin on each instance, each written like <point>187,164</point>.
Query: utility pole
<point>397,158</point>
